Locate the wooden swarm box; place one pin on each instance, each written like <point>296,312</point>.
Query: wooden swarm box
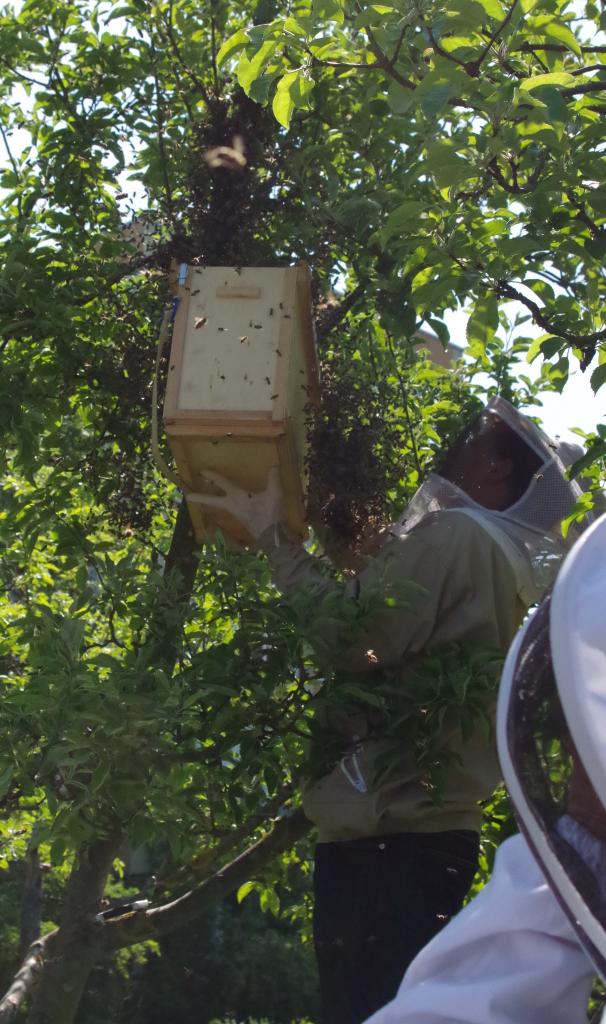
<point>242,375</point>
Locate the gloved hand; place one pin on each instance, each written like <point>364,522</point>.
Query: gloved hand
<point>256,511</point>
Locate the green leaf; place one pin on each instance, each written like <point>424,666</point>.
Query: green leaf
<point>423,277</point>
<point>598,377</point>
<point>550,347</point>
<point>292,25</point>
<point>556,30</point>
<point>245,889</point>
<point>461,13</point>
<point>249,70</point>
<point>327,9</point>
<point>493,9</point>
<point>596,247</point>
<point>557,78</point>
<point>269,900</point>
<point>399,98</point>
<point>441,330</point>
<point>447,167</point>
<point>261,88</point>
<point>72,634</point>
<point>594,454</point>
<point>405,215</point>
<point>232,45</point>
<point>435,91</point>
<point>536,347</point>
<point>483,321</point>
<point>293,88</point>
<point>6,775</point>
<point>358,212</point>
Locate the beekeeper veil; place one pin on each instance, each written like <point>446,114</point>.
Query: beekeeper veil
<point>551,733</point>
<point>530,525</point>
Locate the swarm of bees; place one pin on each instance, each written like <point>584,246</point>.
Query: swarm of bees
<point>352,455</point>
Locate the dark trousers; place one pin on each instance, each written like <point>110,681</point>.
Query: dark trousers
<point>377,903</point>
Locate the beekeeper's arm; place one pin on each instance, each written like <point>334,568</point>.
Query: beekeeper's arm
<point>510,957</point>
<point>448,572</point>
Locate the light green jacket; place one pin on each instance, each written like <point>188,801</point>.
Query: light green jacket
<point>468,595</point>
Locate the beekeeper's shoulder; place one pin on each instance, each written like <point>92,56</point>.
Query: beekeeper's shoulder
<point>450,526</point>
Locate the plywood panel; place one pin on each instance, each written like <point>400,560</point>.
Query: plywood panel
<point>231,336</point>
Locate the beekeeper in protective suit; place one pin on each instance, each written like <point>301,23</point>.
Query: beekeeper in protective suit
<point>525,951</point>
<point>481,541</point>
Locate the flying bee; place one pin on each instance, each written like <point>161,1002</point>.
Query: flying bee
<point>200,321</point>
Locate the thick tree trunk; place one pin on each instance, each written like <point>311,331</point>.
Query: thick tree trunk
<point>77,943</point>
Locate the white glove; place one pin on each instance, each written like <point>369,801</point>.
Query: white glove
<point>256,511</point>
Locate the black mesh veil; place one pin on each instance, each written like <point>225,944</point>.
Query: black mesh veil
<point>560,813</point>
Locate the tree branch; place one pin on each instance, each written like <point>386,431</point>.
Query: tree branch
<point>504,290</point>
<point>342,65</point>
<point>405,403</point>
<point>583,90</point>
<point>554,48</point>
<point>20,75</point>
<point>160,128</point>
<point>514,188</point>
<point>443,53</point>
<point>473,68</point>
<point>196,82</point>
<point>156,921</point>
<point>328,319</point>
<point>213,51</point>
<point>585,71</point>
<point>584,217</point>
<point>15,168</point>
<point>181,564</point>
<point>28,976</point>
<point>205,862</point>
<point>396,52</point>
<point>384,62</point>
